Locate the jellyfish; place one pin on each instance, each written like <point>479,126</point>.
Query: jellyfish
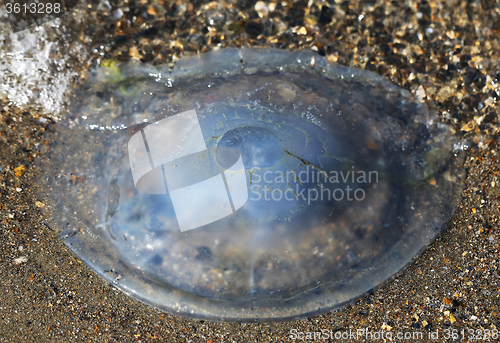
<point>247,184</point>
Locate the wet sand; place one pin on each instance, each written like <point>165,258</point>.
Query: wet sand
<point>446,52</point>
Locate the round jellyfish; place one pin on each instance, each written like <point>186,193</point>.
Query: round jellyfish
<point>247,185</point>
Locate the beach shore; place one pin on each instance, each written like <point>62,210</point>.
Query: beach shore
<point>444,51</point>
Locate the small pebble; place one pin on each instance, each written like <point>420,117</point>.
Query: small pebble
<point>134,53</point>
<point>20,170</point>
<point>302,31</point>
<point>261,9</point>
<point>386,327</point>
<point>20,260</point>
<point>39,204</point>
<point>420,93</point>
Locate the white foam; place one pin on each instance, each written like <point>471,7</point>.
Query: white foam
<point>33,66</point>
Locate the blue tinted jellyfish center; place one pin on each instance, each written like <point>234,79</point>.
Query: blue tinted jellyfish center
<point>259,147</point>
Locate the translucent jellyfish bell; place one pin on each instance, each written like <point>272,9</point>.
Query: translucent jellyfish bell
<point>253,184</point>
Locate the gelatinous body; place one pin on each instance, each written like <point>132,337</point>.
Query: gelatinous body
<point>252,184</point>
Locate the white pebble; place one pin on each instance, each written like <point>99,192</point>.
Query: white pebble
<point>261,8</point>
<point>20,260</point>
